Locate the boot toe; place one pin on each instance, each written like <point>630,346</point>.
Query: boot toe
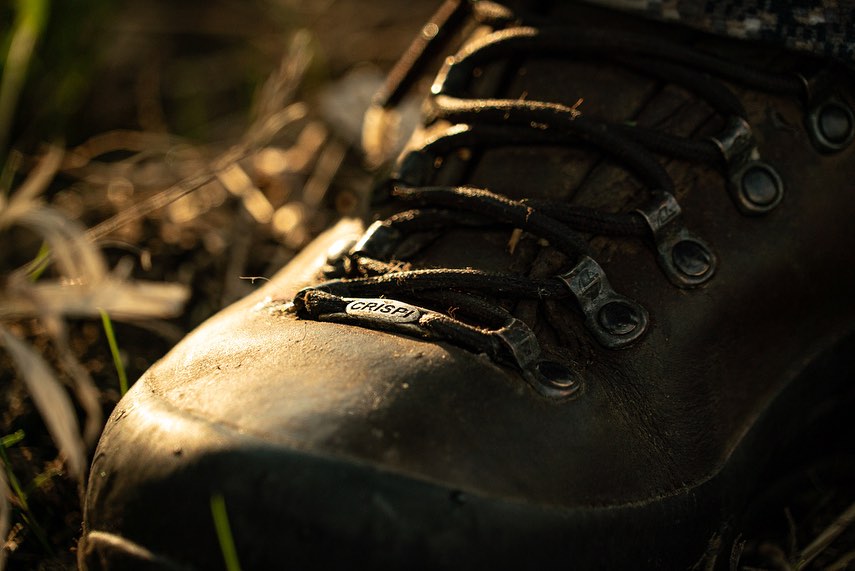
<point>340,445</point>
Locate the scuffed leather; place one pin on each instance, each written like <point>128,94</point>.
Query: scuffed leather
<point>651,447</point>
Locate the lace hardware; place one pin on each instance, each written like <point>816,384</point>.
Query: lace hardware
<point>754,185</point>
<point>553,379</point>
<point>831,125</point>
<point>614,320</point>
<point>520,342</point>
<point>686,259</point>
<point>829,120</point>
<point>464,97</point>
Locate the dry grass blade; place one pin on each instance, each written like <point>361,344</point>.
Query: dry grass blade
<point>174,192</point>
<point>51,400</point>
<point>272,114</point>
<point>5,515</point>
<point>827,537</point>
<point>222,163</point>
<point>24,198</point>
<point>142,299</point>
<point>280,88</point>
<point>265,129</point>
<point>118,140</point>
<point>123,300</point>
<point>236,181</point>
<point>326,169</point>
<point>84,387</point>
<point>86,392</point>
<point>78,258</point>
<point>40,177</point>
<point>843,563</point>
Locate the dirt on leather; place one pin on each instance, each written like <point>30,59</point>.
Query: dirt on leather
<point>193,70</point>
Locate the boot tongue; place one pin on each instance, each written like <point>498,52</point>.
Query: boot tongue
<point>565,172</point>
<point>562,173</point>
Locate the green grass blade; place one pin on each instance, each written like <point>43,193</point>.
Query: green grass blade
<point>114,349</point>
<point>11,439</point>
<point>29,24</point>
<point>18,490</point>
<point>40,262</point>
<point>13,479</point>
<point>224,532</point>
<point>43,479</point>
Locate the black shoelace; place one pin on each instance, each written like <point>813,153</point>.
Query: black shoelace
<point>374,287</point>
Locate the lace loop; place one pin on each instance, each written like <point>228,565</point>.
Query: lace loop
<point>374,287</point>
<point>754,185</point>
<point>614,320</point>
<point>761,192</point>
<point>416,167</point>
<point>502,209</point>
<point>686,259</point>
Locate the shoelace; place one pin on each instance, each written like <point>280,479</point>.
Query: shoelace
<point>371,281</point>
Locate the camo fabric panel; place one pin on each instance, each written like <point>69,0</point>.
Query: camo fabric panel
<point>824,27</point>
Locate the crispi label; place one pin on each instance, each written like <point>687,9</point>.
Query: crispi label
<point>383,310</point>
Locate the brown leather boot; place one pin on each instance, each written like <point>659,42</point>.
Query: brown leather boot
<point>605,285</point>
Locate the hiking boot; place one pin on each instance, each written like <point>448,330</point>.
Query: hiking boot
<point>606,283</point>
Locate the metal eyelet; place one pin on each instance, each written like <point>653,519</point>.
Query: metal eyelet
<point>829,120</point>
<point>687,260</point>
<point>831,125</point>
<point>614,320</point>
<point>753,184</point>
<point>555,380</point>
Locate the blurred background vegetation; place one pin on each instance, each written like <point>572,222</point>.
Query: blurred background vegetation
<point>154,156</point>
